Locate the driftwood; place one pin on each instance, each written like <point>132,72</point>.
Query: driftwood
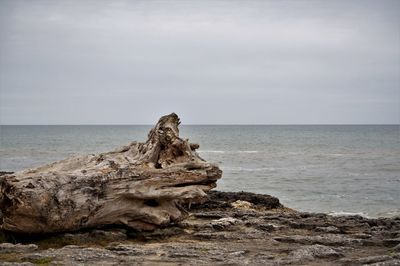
<point>141,185</point>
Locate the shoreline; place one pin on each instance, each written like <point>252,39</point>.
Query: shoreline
<point>230,228</point>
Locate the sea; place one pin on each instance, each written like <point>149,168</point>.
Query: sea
<point>335,169</point>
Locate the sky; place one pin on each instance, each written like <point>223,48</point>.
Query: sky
<point>211,62</point>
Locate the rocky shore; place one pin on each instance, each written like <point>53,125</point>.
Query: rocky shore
<point>230,228</point>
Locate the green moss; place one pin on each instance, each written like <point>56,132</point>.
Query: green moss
<point>57,242</point>
<point>10,257</point>
<point>203,249</point>
<point>42,261</point>
<point>15,257</point>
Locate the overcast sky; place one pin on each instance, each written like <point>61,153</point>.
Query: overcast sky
<point>211,62</point>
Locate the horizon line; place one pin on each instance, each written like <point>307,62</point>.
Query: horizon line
<point>333,124</point>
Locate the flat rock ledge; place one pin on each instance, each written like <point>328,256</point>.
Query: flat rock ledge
<point>229,228</point>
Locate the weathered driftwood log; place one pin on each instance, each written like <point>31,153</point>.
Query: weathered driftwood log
<point>141,185</point>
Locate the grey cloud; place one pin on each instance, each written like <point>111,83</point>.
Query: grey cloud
<point>246,62</point>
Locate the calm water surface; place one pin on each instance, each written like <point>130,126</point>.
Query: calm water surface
<point>340,169</point>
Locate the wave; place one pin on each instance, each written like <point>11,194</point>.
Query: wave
<point>390,214</point>
<point>342,213</point>
<point>395,213</point>
<point>230,152</point>
<point>330,155</point>
<point>336,154</point>
<point>244,169</point>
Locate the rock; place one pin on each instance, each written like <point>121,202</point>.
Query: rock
<point>373,259</point>
<point>5,173</point>
<point>238,237</point>
<point>238,253</point>
<point>328,229</point>
<point>241,204</point>
<point>302,225</point>
<point>367,260</point>
<point>362,236</point>
<point>113,235</point>
<point>386,263</point>
<point>17,264</point>
<point>78,238</point>
<point>158,234</point>
<point>211,214</point>
<point>314,251</point>
<point>266,227</point>
<point>220,236</point>
<point>77,255</point>
<point>126,250</point>
<point>223,223</point>
<point>391,241</point>
<point>329,240</point>
<point>219,199</point>
<point>141,185</point>
<point>17,248</point>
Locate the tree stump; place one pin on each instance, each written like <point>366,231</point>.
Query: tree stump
<point>141,185</point>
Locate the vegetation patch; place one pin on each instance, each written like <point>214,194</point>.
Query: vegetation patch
<point>10,257</point>
<point>57,242</point>
<point>15,257</point>
<point>42,261</point>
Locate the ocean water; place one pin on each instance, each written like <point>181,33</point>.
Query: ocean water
<point>330,169</point>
